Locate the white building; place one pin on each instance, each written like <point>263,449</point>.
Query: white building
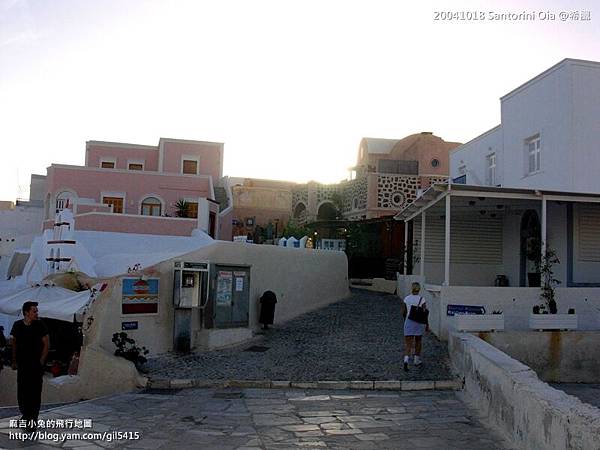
<point>20,223</point>
<point>527,185</point>
<point>549,136</point>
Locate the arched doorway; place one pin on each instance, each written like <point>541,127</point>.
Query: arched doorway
<point>327,211</point>
<point>300,213</point>
<point>530,249</point>
<point>65,200</point>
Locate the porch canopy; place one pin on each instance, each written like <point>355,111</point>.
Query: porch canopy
<point>53,302</point>
<point>486,231</point>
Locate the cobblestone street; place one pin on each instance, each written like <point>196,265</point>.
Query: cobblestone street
<point>253,419</point>
<point>359,338</point>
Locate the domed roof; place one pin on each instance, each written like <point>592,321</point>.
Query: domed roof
<point>407,148</point>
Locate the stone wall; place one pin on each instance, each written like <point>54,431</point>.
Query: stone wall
<point>300,194</point>
<point>396,191</point>
<point>355,189</point>
<point>527,411</point>
<point>556,356</point>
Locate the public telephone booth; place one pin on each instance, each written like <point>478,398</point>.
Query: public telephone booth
<point>208,296</point>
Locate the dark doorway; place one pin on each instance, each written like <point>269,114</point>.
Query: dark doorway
<point>212,220</point>
<point>530,250</point>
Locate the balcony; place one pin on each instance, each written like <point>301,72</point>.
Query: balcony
<point>130,223</point>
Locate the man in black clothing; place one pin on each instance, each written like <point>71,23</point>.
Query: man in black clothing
<point>30,345</point>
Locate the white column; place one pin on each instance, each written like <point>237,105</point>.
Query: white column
<point>422,257</point>
<point>405,270</point>
<point>544,243</point>
<point>447,246</point>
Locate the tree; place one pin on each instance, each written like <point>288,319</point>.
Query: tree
<point>361,240</point>
<point>298,231</point>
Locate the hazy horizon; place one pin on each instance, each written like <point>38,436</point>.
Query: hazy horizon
<point>290,88</point>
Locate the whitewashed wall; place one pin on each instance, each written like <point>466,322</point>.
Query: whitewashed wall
<point>562,105</point>
<point>302,279</point>
<point>516,304</point>
<point>473,156</point>
<point>542,106</point>
<point>585,132</point>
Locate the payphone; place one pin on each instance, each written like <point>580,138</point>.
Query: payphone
<point>207,297</point>
<point>190,298</point>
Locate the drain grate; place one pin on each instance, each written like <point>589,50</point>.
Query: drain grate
<point>159,391</point>
<point>228,395</point>
<point>257,348</point>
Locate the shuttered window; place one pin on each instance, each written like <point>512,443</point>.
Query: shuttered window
<point>192,210</point>
<point>589,233</point>
<point>116,202</point>
<point>190,166</point>
<point>473,240</point>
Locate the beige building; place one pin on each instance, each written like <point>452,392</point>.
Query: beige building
<point>389,174</point>
<point>263,203</point>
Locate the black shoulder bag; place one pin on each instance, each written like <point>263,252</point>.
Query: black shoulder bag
<point>419,314</point>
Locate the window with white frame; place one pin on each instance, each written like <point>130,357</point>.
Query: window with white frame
<point>135,165</point>
<point>108,163</point>
<point>533,147</point>
<point>116,202</point>
<point>491,169</point>
<point>189,165</point>
<point>151,206</point>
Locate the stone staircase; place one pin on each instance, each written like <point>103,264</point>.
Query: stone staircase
<point>221,197</point>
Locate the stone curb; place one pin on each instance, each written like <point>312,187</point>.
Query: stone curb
<point>391,385</point>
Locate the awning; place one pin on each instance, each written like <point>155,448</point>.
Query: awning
<point>439,190</point>
<point>53,302</point>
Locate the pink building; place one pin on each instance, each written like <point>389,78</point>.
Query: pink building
<point>133,188</point>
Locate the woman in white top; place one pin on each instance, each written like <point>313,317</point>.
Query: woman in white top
<point>413,331</point>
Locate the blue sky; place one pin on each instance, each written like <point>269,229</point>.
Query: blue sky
<point>290,87</point>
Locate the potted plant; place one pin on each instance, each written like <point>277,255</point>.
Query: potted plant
<point>546,317</point>
<point>181,208</point>
<point>549,282</point>
<point>127,348</point>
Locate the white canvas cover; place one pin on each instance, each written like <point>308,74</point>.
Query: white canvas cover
<point>53,302</point>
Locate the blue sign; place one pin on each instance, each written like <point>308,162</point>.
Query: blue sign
<point>129,326</point>
<point>453,310</point>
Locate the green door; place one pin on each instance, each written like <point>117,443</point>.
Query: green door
<point>231,296</point>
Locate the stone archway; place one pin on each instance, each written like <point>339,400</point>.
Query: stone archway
<point>299,210</point>
<point>327,211</point>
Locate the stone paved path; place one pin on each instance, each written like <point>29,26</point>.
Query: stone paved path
<point>274,419</point>
<point>359,338</point>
